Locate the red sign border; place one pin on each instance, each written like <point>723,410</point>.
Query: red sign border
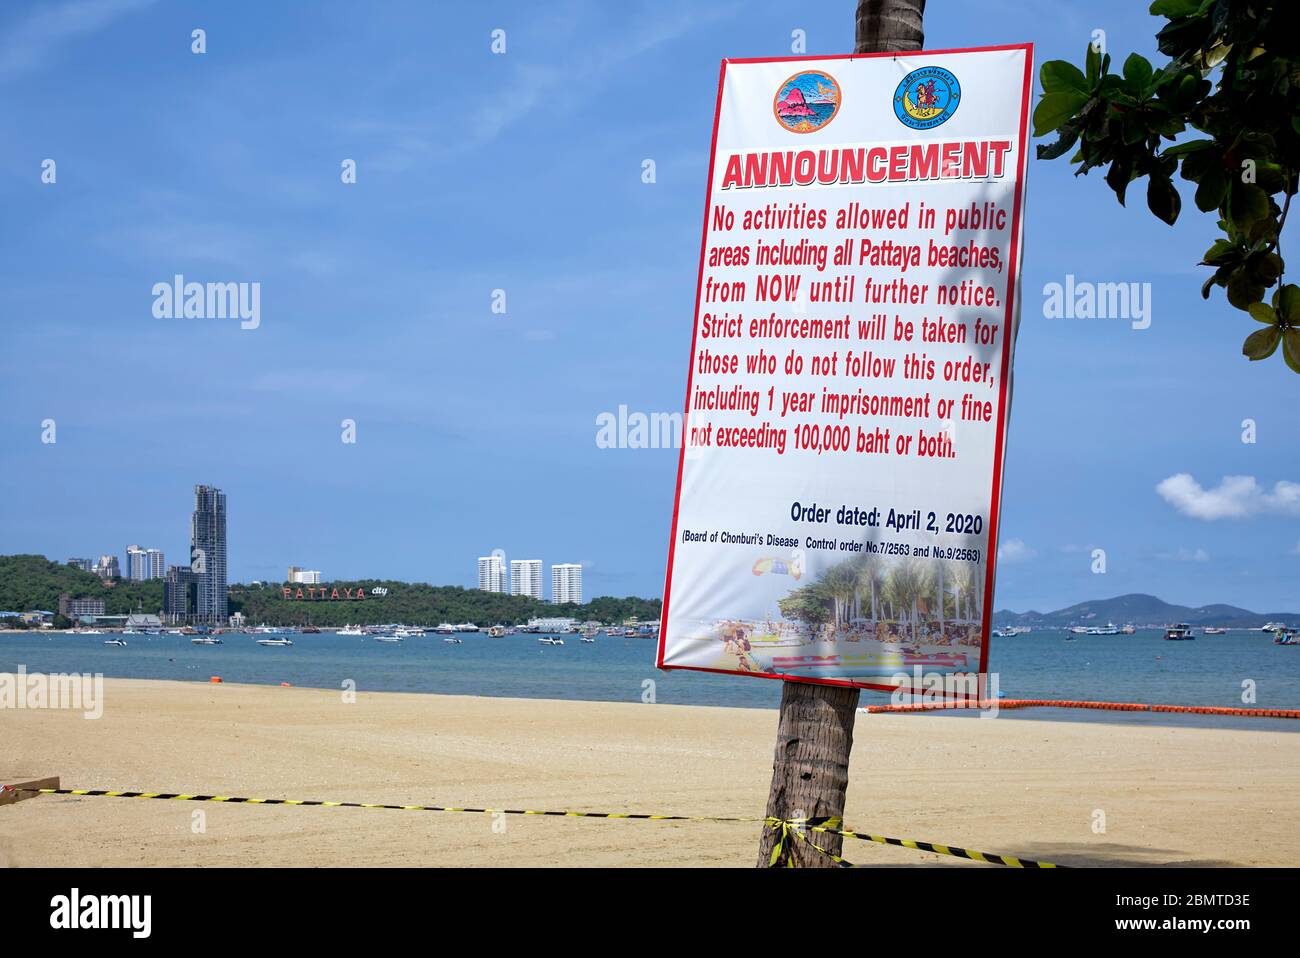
<point>1004,411</point>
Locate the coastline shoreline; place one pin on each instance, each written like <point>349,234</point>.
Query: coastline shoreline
<point>1029,788</point>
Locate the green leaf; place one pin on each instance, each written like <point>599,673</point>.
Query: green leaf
<point>1261,344</point>
<point>1210,191</point>
<point>1092,61</point>
<point>1191,146</point>
<point>1137,71</point>
<point>1246,203</point>
<point>1286,300</point>
<point>1069,135</point>
<point>1054,109</point>
<point>1060,75</point>
<point>1263,313</point>
<point>1243,289</point>
<point>1117,178</point>
<point>1291,348</point>
<point>1265,267</point>
<point>1163,199</point>
<point>1221,252</point>
<point>1173,9</point>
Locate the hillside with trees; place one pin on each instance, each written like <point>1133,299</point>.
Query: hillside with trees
<point>29,582</point>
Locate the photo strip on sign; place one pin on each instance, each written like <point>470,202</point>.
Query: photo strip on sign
<point>849,388</point>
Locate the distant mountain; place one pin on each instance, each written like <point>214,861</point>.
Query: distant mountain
<point>1140,609</point>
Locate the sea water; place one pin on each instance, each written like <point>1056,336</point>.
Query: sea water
<point>1212,670</point>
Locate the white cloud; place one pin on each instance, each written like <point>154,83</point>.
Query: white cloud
<point>28,44</point>
<point>1015,550</point>
<point>1185,555</point>
<point>1235,497</point>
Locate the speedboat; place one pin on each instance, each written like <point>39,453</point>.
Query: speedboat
<point>92,632</point>
<point>454,640</point>
<point>1285,636</point>
<point>115,641</point>
<point>351,630</point>
<point>589,639</point>
<point>496,632</point>
<point>1215,630</point>
<point>1180,632</point>
<point>277,643</point>
<point>206,640</point>
<point>390,639</point>
<point>550,640</point>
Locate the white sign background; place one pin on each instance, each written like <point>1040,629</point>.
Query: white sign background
<point>722,598</point>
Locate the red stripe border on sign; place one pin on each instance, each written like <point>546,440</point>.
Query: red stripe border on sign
<point>1014,255</point>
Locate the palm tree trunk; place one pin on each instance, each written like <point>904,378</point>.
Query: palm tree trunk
<point>810,771</point>
<point>885,26</point>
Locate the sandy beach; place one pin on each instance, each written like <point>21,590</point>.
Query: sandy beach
<point>1021,787</point>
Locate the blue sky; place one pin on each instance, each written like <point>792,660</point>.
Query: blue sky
<point>522,172</point>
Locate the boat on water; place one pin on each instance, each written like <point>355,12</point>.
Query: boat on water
<point>1285,636</point>
<point>390,639</point>
<point>1004,633</point>
<point>1128,630</point>
<point>1079,629</point>
<point>310,629</point>
<point>1215,630</point>
<point>351,630</point>
<point>92,632</point>
<point>551,640</point>
<point>281,642</point>
<point>268,630</point>
<point>453,640</point>
<point>115,641</point>
<point>1272,627</point>
<point>589,639</point>
<point>131,632</point>
<point>445,628</point>
<point>1180,632</point>
<point>467,627</point>
<point>206,640</point>
<point>496,632</point>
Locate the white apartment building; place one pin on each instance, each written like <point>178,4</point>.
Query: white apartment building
<point>526,577</point>
<point>566,582</point>
<point>304,576</point>
<point>492,573</point>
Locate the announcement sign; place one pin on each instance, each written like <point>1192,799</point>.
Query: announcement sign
<point>850,380</point>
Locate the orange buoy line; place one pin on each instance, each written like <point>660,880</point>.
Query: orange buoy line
<point>1072,704</point>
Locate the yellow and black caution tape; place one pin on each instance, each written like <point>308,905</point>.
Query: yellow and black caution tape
<point>987,858</point>
<point>828,825</point>
<point>234,800</point>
